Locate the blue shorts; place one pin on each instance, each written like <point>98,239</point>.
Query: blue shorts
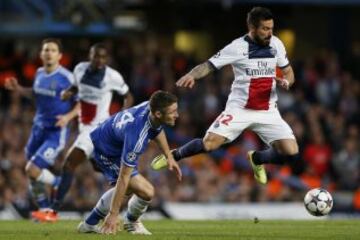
<point>110,166</point>
<point>45,144</point>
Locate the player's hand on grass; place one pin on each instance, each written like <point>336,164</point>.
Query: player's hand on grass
<point>173,165</point>
<point>282,82</point>
<point>186,81</point>
<point>111,224</point>
<point>62,120</point>
<point>12,83</point>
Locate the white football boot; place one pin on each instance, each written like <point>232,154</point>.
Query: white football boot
<point>83,227</point>
<point>135,227</point>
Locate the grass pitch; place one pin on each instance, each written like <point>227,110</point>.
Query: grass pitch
<point>193,230</point>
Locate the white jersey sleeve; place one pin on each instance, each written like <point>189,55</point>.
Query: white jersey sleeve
<point>282,60</point>
<point>72,79</point>
<point>228,55</point>
<point>117,82</point>
<point>78,72</point>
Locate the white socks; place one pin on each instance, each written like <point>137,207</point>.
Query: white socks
<point>136,207</point>
<point>103,205</point>
<point>46,177</point>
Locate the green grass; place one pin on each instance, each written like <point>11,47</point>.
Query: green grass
<point>193,230</point>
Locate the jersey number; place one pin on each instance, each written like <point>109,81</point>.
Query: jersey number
<point>125,118</point>
<point>225,119</point>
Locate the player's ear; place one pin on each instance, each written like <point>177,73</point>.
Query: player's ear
<point>251,27</point>
<point>158,114</point>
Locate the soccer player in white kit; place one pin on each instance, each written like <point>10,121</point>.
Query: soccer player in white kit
<point>252,101</point>
<point>95,84</point>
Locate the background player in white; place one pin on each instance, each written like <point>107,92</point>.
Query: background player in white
<point>95,83</point>
<point>252,101</point>
<point>49,132</point>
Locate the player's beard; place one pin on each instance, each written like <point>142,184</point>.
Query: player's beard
<point>263,42</point>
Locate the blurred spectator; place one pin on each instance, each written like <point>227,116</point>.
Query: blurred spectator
<point>346,166</point>
<point>317,154</point>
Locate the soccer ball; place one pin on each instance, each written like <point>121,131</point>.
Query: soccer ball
<point>318,202</point>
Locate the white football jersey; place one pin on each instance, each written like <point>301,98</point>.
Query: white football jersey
<point>95,89</point>
<point>254,68</point>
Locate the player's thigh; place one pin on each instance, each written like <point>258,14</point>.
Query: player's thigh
<point>84,143</point>
<point>141,187</point>
<point>107,166</point>
<point>273,128</point>
<point>74,158</point>
<point>213,141</point>
<point>36,139</point>
<point>226,127</point>
<point>286,146</point>
<point>50,149</point>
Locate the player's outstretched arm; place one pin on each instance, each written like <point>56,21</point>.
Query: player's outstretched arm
<point>200,71</point>
<point>288,80</point>
<point>111,222</point>
<point>164,146</point>
<point>12,84</point>
<point>63,120</point>
<point>128,100</point>
<point>68,93</point>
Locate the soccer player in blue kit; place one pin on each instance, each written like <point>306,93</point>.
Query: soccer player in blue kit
<point>49,132</point>
<point>118,143</point>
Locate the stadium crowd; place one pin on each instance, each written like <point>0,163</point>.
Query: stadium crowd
<point>322,109</point>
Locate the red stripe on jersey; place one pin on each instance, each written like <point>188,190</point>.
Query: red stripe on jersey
<point>88,112</point>
<point>259,93</point>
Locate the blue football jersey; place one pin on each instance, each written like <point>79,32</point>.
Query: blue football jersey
<point>124,136</point>
<point>47,89</point>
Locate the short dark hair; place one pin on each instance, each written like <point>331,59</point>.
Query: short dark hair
<point>258,14</point>
<point>53,40</point>
<point>99,45</point>
<point>160,100</point>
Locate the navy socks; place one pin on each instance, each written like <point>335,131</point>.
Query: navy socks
<point>270,155</point>
<point>191,148</point>
<point>65,184</point>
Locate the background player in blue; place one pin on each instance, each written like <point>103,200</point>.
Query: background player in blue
<point>49,132</point>
<point>118,143</point>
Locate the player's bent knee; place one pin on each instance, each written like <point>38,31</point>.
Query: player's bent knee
<point>293,149</point>
<point>32,171</point>
<point>149,193</point>
<point>212,143</point>
<point>288,147</point>
<point>28,170</point>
